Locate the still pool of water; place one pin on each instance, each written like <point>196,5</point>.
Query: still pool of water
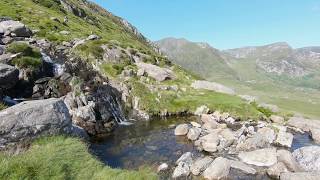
<point>148,143</point>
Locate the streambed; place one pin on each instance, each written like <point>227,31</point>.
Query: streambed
<point>149,143</point>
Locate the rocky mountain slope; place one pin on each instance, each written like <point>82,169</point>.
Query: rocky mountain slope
<point>268,72</point>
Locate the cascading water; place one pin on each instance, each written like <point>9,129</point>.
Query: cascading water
<point>56,69</point>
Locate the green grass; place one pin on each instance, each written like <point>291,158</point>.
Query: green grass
<point>62,158</point>
<point>2,106</point>
<point>30,57</point>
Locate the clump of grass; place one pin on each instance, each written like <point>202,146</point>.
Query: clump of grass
<point>62,158</point>
<point>30,57</point>
<point>265,111</point>
<point>91,50</point>
<point>3,106</point>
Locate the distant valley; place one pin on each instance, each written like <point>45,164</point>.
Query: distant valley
<point>274,73</point>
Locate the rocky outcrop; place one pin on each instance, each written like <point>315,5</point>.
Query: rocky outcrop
<point>31,119</point>
<point>261,157</point>
<point>156,72</point>
<point>212,86</point>
<point>9,76</point>
<point>14,28</point>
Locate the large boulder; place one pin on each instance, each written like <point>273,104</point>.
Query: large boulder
<point>308,158</point>
<point>315,134</point>
<point>181,130</point>
<point>284,139</point>
<point>276,170</point>
<point>277,119</point>
<point>181,171</point>
<point>156,72</point>
<point>261,157</point>
<point>32,119</point>
<point>218,169</point>
<point>16,28</point>
<point>262,139</point>
<point>209,142</point>
<point>212,86</point>
<point>9,76</point>
<point>242,167</point>
<point>286,158</point>
<point>303,124</point>
<point>194,133</point>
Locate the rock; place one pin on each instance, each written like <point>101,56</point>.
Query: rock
<point>93,37</point>
<point>230,120</point>
<point>277,119</point>
<point>300,176</point>
<point>210,126</point>
<point>163,167</point>
<point>276,170</point>
<point>186,158</point>
<point>181,130</point>
<point>9,76</point>
<point>200,165</point>
<point>286,158</point>
<point>195,124</point>
<point>1,49</point>
<point>156,72</point>
<point>194,133</point>
<point>182,170</point>
<point>273,108</point>
<point>308,158</point>
<point>315,134</point>
<point>261,157</point>
<point>284,139</point>
<point>218,169</point>
<point>267,133</point>
<point>31,119</point>
<point>16,28</point>
<point>226,138</point>
<point>202,110</point>
<point>64,32</point>
<point>212,86</point>
<point>85,113</point>
<point>303,124</point>
<point>248,98</point>
<point>209,142</point>
<point>242,167</point>
<point>140,72</point>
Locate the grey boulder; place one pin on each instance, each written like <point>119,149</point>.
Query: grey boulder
<point>16,28</point>
<point>9,76</point>
<point>308,158</point>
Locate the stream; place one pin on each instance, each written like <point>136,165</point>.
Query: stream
<point>150,143</point>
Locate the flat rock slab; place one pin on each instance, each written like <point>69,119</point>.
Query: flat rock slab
<point>261,157</point>
<point>218,169</point>
<point>308,158</point>
<point>303,124</point>
<point>212,86</point>
<point>156,72</point>
<point>300,176</point>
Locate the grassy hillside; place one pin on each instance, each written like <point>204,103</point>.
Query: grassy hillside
<point>62,158</point>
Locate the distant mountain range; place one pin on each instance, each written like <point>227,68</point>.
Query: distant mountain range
<point>277,62</point>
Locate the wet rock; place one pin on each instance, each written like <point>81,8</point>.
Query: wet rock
<point>300,176</point>
<point>286,158</point>
<point>182,170</point>
<point>200,165</point>
<point>242,167</point>
<point>31,119</point>
<point>186,158</point>
<point>277,119</point>
<point>181,130</point>
<point>209,142</point>
<point>163,167</point>
<point>212,86</point>
<point>202,110</point>
<point>261,157</point>
<point>276,170</point>
<point>284,139</point>
<point>194,133</point>
<point>315,134</point>
<point>218,169</point>
<point>16,28</point>
<point>156,72</point>
<point>308,158</point>
<point>9,76</point>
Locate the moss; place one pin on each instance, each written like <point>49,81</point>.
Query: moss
<point>62,158</point>
<point>27,62</point>
<point>2,106</point>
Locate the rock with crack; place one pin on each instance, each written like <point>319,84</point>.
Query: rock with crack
<point>200,165</point>
<point>261,157</point>
<point>308,158</point>
<point>287,159</point>
<point>303,124</point>
<point>194,133</point>
<point>181,171</point>
<point>31,119</point>
<point>242,167</point>
<point>186,158</point>
<point>156,72</point>
<point>218,169</point>
<point>209,142</point>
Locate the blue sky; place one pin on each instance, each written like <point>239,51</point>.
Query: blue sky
<point>224,23</point>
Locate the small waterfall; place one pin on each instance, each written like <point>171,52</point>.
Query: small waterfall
<point>116,112</point>
<point>56,69</point>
